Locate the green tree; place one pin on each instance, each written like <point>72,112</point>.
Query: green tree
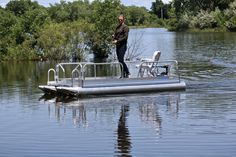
<point>19,7</point>
<point>70,11</point>
<point>231,17</point>
<point>202,14</point>
<point>58,12</point>
<point>136,15</point>
<point>79,10</point>
<point>105,20</point>
<point>157,8</point>
<point>27,18</point>
<point>34,19</point>
<point>60,41</point>
<point>8,22</point>
<point>193,6</point>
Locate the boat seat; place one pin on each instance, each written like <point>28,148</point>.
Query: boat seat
<point>149,65</point>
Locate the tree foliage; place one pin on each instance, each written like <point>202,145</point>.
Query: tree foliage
<point>137,16</point>
<point>204,14</point>
<point>194,6</point>
<point>27,26</point>
<point>19,7</point>
<point>7,25</point>
<point>230,14</point>
<point>72,29</point>
<point>105,19</point>
<point>63,40</point>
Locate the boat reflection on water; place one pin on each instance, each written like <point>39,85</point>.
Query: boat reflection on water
<point>123,112</point>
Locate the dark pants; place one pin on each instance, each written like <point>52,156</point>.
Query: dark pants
<point>120,52</point>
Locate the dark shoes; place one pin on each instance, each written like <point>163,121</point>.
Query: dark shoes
<point>126,75</point>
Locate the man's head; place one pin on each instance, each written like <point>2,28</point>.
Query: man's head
<point>121,18</point>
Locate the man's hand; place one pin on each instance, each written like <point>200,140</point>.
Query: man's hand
<point>114,41</point>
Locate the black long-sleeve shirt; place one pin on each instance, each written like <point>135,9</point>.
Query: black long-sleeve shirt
<point>121,34</point>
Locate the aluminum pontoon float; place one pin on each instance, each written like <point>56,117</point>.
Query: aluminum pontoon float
<point>85,78</point>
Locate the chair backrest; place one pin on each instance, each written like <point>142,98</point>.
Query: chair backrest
<point>156,55</point>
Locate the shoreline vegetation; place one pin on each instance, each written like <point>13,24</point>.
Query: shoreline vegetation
<point>72,30</point>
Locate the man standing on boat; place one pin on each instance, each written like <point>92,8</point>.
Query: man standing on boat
<point>120,39</point>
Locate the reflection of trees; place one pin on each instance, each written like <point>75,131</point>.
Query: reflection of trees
<point>151,111</point>
<point>23,76</point>
<point>81,118</point>
<point>123,137</point>
<point>78,113</point>
<point>173,106</point>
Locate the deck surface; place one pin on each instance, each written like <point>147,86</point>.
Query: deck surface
<point>112,82</point>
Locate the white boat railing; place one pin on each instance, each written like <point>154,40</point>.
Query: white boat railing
<point>54,74</point>
<point>59,68</point>
<point>78,71</point>
<point>95,65</point>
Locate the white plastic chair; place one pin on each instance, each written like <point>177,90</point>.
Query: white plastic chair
<point>149,65</point>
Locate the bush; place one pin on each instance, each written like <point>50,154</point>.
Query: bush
<point>204,20</point>
<point>62,41</point>
<point>231,17</point>
<point>184,22</point>
<point>219,17</point>
<point>172,24</point>
<point>231,24</point>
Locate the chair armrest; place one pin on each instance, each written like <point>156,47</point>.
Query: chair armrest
<point>146,59</point>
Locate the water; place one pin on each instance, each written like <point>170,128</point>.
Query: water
<point>200,121</point>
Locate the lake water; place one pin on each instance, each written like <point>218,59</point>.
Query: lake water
<point>200,121</point>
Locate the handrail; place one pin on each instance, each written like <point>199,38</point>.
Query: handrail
<point>57,71</point>
<point>166,61</point>
<point>95,65</point>
<point>72,77</point>
<point>53,70</point>
<point>60,65</point>
<point>82,67</point>
<point>79,74</point>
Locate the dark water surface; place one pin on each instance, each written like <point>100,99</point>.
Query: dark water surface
<point>200,121</point>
